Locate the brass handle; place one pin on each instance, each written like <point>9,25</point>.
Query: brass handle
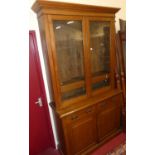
<point>103,104</point>
<point>88,110</point>
<point>106,76</point>
<point>74,117</point>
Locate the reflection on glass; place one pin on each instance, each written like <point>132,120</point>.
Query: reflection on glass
<point>69,52</point>
<point>100,52</point>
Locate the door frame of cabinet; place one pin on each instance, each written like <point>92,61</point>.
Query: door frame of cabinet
<point>112,52</point>
<point>66,103</point>
<point>86,52</point>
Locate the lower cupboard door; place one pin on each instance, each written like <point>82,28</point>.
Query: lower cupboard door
<point>82,135</point>
<point>108,121</point>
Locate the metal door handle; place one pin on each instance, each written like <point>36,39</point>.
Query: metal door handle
<point>39,102</point>
<point>88,110</point>
<point>74,117</point>
<point>103,104</point>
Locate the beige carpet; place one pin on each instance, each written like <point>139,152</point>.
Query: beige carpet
<point>120,150</point>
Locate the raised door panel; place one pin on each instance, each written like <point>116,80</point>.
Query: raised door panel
<point>108,118</point>
<point>118,101</point>
<point>106,122</point>
<point>83,135</point>
<point>80,132</point>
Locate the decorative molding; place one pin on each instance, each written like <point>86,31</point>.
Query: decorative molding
<point>40,4</point>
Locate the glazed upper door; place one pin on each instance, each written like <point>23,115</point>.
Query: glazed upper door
<point>100,53</point>
<point>82,51</point>
<point>67,32</point>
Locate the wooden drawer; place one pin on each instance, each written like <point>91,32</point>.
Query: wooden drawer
<point>105,105</point>
<point>80,114</point>
<point>114,101</point>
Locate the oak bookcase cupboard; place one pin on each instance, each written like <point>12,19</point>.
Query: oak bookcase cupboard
<point>78,44</point>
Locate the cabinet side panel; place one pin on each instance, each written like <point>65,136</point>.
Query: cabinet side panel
<point>47,53</point>
<point>60,133</point>
<point>44,51</point>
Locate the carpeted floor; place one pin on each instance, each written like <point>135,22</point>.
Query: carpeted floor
<point>120,150</point>
<point>116,146</point>
<point>50,151</point>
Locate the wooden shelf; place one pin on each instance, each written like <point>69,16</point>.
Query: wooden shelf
<point>100,78</point>
<point>71,86</point>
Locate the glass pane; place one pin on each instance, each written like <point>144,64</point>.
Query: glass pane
<point>100,84</point>
<point>74,93</point>
<point>100,52</point>
<point>69,51</point>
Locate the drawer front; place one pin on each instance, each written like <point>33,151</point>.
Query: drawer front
<point>80,114</point>
<point>106,104</point>
<point>114,101</point>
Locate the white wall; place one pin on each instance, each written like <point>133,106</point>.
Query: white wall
<point>33,25</point>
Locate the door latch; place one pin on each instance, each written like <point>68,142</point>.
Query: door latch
<point>39,102</point>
